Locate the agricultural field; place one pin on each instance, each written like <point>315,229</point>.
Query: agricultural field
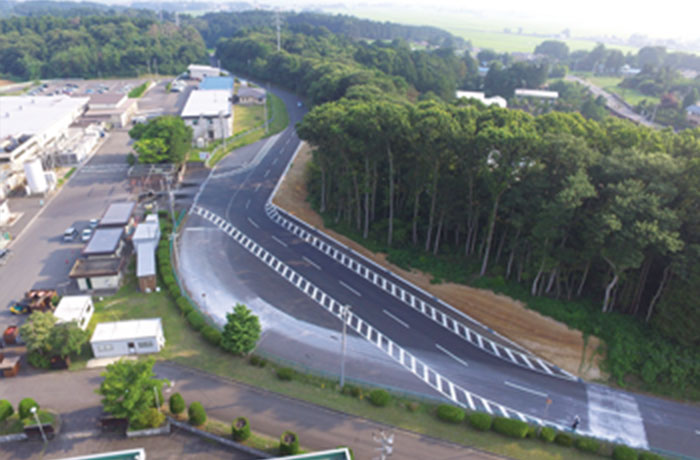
<point>610,84</point>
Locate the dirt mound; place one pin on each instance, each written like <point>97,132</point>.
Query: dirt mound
<point>543,336</point>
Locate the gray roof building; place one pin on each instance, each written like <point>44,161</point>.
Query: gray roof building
<point>105,241</point>
<point>117,215</point>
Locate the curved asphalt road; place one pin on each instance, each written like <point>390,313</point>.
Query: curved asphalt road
<point>239,194</point>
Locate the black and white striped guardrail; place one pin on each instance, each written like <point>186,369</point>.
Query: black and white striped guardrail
<point>445,387</point>
<point>449,322</point>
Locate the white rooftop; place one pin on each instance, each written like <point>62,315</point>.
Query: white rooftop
<point>123,330</point>
<point>541,93</point>
<point>70,307</point>
<point>31,114</point>
<point>207,103</point>
<point>202,67</point>
<point>146,231</point>
<point>145,259</point>
<point>480,96</point>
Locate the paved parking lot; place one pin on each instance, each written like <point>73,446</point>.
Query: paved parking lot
<point>78,87</point>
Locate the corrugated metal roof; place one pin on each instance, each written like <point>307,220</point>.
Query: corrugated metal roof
<point>122,330</point>
<point>117,214</point>
<point>209,83</point>
<point>104,241</point>
<point>207,103</point>
<point>71,306</point>
<point>145,259</point>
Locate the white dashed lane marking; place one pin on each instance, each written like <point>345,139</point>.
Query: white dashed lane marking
<point>525,389</point>
<point>252,222</point>
<point>451,355</point>
<point>354,291</point>
<point>395,318</point>
<point>311,262</point>
<point>279,241</point>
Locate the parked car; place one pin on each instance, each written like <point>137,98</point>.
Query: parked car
<point>93,223</point>
<point>86,235</point>
<point>70,234</point>
<point>19,309</point>
<point>4,256</point>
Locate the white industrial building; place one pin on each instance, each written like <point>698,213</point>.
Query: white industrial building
<point>78,308</point>
<point>200,72</point>
<point>540,94</point>
<point>481,97</point>
<point>114,108</point>
<point>209,114</point>
<point>120,338</point>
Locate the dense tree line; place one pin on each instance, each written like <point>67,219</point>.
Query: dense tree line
<point>61,8</point>
<point>90,46</point>
<point>214,26</point>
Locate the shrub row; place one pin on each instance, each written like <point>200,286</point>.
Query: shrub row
<point>450,414</point>
<point>510,427</point>
<point>196,414</point>
<point>177,404</point>
<point>379,398</point>
<point>289,441</point>
<point>24,408</point>
<point>6,410</point>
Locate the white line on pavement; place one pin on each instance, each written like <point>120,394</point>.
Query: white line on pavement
<point>247,203</point>
<point>451,355</point>
<point>252,222</point>
<point>257,187</point>
<point>275,161</point>
<point>279,241</point>
<point>267,173</point>
<point>350,289</point>
<point>697,432</point>
<point>395,318</point>
<point>525,389</point>
<point>311,262</point>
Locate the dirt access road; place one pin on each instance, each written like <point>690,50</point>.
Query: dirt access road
<point>543,336</point>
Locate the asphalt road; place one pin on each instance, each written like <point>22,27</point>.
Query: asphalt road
<point>238,193</point>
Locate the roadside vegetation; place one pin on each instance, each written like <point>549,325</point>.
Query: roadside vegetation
<point>139,90</point>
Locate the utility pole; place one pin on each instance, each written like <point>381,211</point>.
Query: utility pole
<point>278,25</point>
<point>223,128</point>
<point>344,314</point>
<point>265,116</point>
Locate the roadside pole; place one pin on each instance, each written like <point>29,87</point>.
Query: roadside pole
<point>344,314</point>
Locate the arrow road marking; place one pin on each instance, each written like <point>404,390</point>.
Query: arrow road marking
<point>252,222</point>
<point>451,355</point>
<point>350,289</point>
<point>401,322</point>
<point>311,262</point>
<point>525,389</point>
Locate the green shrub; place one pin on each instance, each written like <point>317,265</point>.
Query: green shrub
<point>169,280</point>
<point>184,305</point>
<point>174,290</point>
<point>548,434</point>
<point>177,404</point>
<point>587,445</point>
<point>257,361</point>
<point>564,439</point>
<point>162,213</point>
<point>624,453</point>
<point>25,407</point>
<point>352,390</point>
<point>5,409</point>
<point>510,427</point>
<point>38,360</point>
<point>55,299</point>
<point>131,159</point>
<point>196,414</point>
<point>450,414</point>
<point>379,398</point>
<point>240,429</point>
<point>649,456</point>
<point>289,443</point>
<point>196,320</point>
<point>285,373</point>
<point>480,421</point>
<point>149,418</point>
<point>532,431</point>
<point>211,335</point>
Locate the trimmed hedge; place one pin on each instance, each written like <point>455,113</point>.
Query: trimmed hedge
<point>184,305</point>
<point>173,290</point>
<point>480,421</point>
<point>510,427</point>
<point>285,373</point>
<point>211,335</point>
<point>587,445</point>
<point>240,429</point>
<point>196,320</point>
<point>148,418</point>
<point>289,443</point>
<point>196,414</point>
<point>25,407</point>
<point>177,404</point>
<point>564,439</point>
<point>649,456</point>
<point>532,431</point>
<point>548,434</point>
<point>624,453</point>
<point>450,414</point>
<point>379,397</point>
<point>6,409</point>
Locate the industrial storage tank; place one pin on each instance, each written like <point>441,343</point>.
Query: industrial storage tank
<point>35,177</point>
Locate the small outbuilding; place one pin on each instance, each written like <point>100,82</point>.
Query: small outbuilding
<point>247,95</point>
<point>120,338</point>
<point>145,241</point>
<point>199,72</point>
<point>119,215</point>
<point>78,308</point>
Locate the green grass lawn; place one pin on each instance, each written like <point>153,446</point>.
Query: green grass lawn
<point>186,347</point>
<point>610,84</point>
<point>248,117</point>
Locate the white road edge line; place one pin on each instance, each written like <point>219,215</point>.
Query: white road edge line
<point>279,241</point>
<point>395,318</point>
<point>252,222</point>
<point>525,389</point>
<point>311,262</point>
<point>451,355</point>
<point>354,291</point>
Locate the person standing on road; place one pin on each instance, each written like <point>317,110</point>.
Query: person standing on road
<point>574,425</point>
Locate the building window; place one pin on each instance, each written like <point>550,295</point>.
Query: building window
<point>146,344</point>
<point>105,347</point>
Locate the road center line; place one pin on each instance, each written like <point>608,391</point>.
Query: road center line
<point>525,389</point>
<point>252,222</point>
<point>257,187</point>
<point>350,289</point>
<point>274,162</point>
<point>247,203</point>
<point>267,173</point>
<point>395,318</point>
<point>279,241</point>
<point>451,355</point>
<point>310,262</point>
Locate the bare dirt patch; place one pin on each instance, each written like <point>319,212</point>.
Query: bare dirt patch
<point>5,82</point>
<point>543,336</point>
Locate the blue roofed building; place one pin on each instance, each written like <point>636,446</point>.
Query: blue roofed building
<point>693,114</point>
<point>209,83</point>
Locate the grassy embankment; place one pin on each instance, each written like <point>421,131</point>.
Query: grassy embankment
<point>610,84</point>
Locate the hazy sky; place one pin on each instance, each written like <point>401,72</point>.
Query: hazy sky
<point>667,18</point>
